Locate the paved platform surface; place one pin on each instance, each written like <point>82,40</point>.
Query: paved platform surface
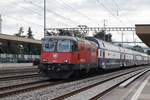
<point>145,94</point>
<point>16,67</point>
<point>138,90</point>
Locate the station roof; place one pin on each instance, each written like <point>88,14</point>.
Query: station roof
<point>19,39</point>
<point>143,32</point>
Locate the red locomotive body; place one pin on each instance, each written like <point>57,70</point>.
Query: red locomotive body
<point>63,56</point>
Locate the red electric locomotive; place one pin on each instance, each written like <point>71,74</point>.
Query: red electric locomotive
<point>62,56</point>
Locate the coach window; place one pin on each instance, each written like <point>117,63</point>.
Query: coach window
<point>82,46</point>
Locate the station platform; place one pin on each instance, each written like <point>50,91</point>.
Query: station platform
<point>4,66</point>
<point>137,90</point>
<point>144,90</point>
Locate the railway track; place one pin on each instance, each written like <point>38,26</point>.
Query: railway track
<point>63,90</point>
<point>18,76</point>
<point>97,90</point>
<point>27,87</point>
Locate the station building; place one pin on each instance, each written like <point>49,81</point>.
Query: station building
<point>16,49</point>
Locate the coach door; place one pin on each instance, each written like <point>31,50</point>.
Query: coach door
<point>121,60</point>
<point>103,59</point>
<point>124,59</point>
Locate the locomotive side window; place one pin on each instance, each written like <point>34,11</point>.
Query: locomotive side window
<point>74,46</point>
<point>88,48</point>
<point>82,46</point>
<point>93,49</point>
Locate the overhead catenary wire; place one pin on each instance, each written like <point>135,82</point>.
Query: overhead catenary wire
<point>54,13</point>
<point>21,18</point>
<point>77,11</point>
<point>31,3</point>
<point>119,8</point>
<point>118,19</point>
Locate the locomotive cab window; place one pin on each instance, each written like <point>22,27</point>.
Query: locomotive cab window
<point>63,46</point>
<point>48,45</point>
<point>59,45</point>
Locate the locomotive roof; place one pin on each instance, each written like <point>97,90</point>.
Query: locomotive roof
<point>61,37</point>
<point>69,38</point>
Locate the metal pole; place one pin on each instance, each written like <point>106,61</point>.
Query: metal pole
<point>104,29</point>
<point>133,39</point>
<point>122,38</point>
<point>44,17</point>
<point>0,23</point>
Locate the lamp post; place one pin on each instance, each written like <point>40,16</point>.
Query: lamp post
<point>0,23</point>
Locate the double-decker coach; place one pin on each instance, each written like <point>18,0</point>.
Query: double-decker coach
<point>111,56</point>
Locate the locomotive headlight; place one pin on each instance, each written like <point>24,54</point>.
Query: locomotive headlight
<point>65,61</point>
<point>44,60</point>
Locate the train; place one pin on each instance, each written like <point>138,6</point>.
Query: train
<point>64,56</point>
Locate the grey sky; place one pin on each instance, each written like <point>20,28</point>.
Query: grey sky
<point>17,13</point>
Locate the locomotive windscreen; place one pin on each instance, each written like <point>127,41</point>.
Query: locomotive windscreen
<point>54,45</point>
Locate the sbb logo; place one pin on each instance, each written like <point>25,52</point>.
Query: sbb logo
<point>55,55</point>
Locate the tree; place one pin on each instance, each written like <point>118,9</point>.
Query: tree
<point>20,32</point>
<point>138,48</point>
<point>50,33</point>
<point>148,52</point>
<point>29,34</point>
<point>103,36</point>
<point>108,37</point>
<point>65,33</point>
<point>77,33</point>
<point>100,35</point>
<point>120,45</point>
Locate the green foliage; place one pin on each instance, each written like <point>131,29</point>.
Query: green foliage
<point>120,45</point>
<point>29,34</point>
<point>148,52</point>
<point>27,48</point>
<point>69,33</point>
<point>103,36</point>
<point>20,32</point>
<point>77,33</point>
<point>138,48</point>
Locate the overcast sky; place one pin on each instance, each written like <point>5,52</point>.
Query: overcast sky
<point>70,13</point>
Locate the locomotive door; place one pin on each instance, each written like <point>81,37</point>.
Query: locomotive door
<point>81,55</point>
